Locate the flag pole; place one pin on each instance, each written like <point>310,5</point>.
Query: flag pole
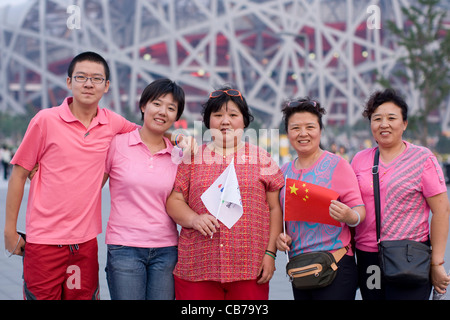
<point>224,188</point>
<point>284,214</point>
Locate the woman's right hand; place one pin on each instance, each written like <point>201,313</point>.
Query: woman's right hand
<point>206,224</point>
<point>283,242</point>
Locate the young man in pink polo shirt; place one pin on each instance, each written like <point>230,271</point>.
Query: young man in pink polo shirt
<point>63,217</point>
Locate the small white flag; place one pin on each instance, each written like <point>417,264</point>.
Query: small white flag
<point>223,197</point>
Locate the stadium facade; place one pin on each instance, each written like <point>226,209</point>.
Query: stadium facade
<point>271,50</point>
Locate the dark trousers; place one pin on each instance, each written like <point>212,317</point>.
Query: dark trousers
<point>343,286</point>
<point>368,270</point>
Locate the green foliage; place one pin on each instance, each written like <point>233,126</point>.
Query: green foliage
<point>426,63</point>
<point>13,126</point>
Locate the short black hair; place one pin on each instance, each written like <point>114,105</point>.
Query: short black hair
<point>161,87</point>
<point>88,56</point>
<point>305,104</point>
<point>215,104</point>
<point>388,95</point>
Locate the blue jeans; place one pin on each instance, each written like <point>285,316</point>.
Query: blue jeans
<point>141,273</point>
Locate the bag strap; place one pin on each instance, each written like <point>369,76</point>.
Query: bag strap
<point>376,192</point>
<point>338,254</point>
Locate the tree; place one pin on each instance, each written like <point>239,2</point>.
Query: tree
<point>426,63</point>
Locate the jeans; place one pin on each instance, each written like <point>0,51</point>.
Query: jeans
<point>141,273</point>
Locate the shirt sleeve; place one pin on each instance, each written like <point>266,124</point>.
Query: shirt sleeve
<point>433,182</point>
<point>270,172</point>
<point>346,184</point>
<point>30,150</point>
<point>120,124</point>
<point>110,155</point>
<point>182,179</point>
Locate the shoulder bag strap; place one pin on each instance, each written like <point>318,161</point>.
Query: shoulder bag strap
<point>376,192</point>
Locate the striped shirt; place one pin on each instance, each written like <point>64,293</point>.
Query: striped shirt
<point>231,254</point>
<point>405,183</point>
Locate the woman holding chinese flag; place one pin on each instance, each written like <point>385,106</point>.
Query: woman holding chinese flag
<point>411,183</point>
<point>218,260</point>
<point>318,223</point>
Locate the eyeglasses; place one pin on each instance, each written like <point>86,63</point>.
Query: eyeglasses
<point>294,104</point>
<point>83,79</point>
<point>230,92</point>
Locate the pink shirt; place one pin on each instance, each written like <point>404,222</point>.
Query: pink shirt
<point>333,172</point>
<point>140,184</point>
<point>405,183</point>
<point>64,204</point>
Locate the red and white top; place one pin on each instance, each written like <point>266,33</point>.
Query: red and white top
<point>232,254</point>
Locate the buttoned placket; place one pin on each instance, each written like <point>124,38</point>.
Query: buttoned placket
<point>150,161</point>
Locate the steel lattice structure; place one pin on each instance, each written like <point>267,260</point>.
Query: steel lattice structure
<point>269,49</point>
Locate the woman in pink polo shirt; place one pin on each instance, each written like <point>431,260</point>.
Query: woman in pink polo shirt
<point>411,183</point>
<point>142,239</point>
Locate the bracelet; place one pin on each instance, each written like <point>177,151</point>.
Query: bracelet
<point>357,222</point>
<point>437,264</point>
<point>269,254</point>
<point>11,253</point>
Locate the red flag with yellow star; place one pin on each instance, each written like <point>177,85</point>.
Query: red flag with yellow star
<point>308,202</point>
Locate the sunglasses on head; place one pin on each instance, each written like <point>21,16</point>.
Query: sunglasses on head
<point>294,104</point>
<point>230,92</point>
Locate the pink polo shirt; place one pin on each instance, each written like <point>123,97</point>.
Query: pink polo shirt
<point>64,204</point>
<point>140,184</point>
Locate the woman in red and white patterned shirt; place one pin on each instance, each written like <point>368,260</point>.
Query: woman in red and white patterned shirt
<point>214,261</point>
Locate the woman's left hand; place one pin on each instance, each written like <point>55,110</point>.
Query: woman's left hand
<point>342,213</point>
<point>267,269</point>
<point>439,278</point>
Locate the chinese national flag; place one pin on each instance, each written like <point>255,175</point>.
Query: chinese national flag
<point>308,202</point>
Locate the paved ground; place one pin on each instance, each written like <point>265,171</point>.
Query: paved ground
<point>11,268</point>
